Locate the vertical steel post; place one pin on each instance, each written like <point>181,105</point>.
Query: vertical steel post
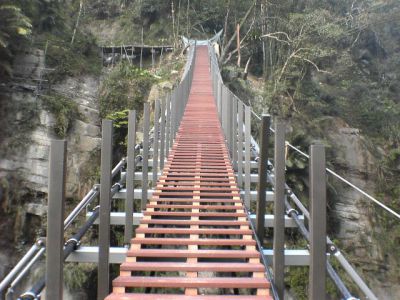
<point>55,220</point>
<point>219,93</point>
<point>262,176</point>
<point>162,134</point>
<point>317,223</point>
<point>279,208</point>
<point>156,140</point>
<point>168,126</point>
<point>145,154</point>
<point>173,117</point>
<point>234,132</point>
<point>130,177</point>
<point>247,166</point>
<point>240,144</point>
<point>224,107</point>
<point>180,103</point>
<point>178,107</point>
<point>229,117</point>
<point>105,208</point>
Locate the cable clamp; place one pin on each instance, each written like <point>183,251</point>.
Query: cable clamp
<point>74,241</point>
<point>288,192</point>
<point>29,295</point>
<point>331,249</point>
<point>292,210</point>
<point>120,186</point>
<point>41,242</point>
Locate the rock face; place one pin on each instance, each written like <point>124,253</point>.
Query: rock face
<point>353,213</point>
<point>24,147</point>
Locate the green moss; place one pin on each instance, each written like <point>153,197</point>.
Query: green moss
<point>64,110</point>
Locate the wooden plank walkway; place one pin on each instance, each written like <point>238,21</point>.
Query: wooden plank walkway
<point>194,241</point>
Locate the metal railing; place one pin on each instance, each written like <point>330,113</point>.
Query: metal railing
<point>167,116</point>
<point>236,123</point>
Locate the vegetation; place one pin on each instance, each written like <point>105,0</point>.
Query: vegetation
<point>65,111</point>
<point>126,87</point>
<point>14,26</point>
<point>318,61</point>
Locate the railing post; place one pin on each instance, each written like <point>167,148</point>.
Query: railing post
<point>219,98</point>
<point>130,177</point>
<point>105,207</point>
<point>229,119</point>
<point>240,144</point>
<point>262,176</point>
<point>234,132</point>
<point>173,117</point>
<point>247,167</point>
<point>224,109</point>
<point>145,154</point>
<point>168,126</point>
<point>317,223</point>
<point>155,140</point>
<point>279,208</point>
<point>162,134</point>
<point>55,220</point>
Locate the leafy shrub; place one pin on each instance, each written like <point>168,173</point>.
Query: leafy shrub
<point>127,87</point>
<point>64,110</point>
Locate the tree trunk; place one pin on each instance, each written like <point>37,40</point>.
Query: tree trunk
<point>77,21</point>
<point>228,8</point>
<point>187,19</point>
<point>238,44</point>
<point>226,48</point>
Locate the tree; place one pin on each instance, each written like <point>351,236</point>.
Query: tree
<point>13,25</point>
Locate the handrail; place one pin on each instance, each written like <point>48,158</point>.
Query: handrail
<point>341,178</point>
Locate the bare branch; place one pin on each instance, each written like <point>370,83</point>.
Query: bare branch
<point>276,38</point>
<point>231,40</point>
<point>273,35</point>
<point>312,63</point>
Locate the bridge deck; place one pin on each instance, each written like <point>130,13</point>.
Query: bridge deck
<point>194,240</point>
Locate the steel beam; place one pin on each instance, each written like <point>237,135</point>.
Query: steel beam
<point>234,137</point>
<point>247,185</point>
<point>138,194</point>
<point>240,145</point>
<point>162,134</point>
<point>88,254</point>
<point>279,208</point>
<point>118,218</point>
<point>262,176</point>
<point>145,155</point>
<point>55,220</point>
<point>130,176</point>
<point>168,126</point>
<point>103,279</point>
<point>317,225</point>
<point>156,140</point>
